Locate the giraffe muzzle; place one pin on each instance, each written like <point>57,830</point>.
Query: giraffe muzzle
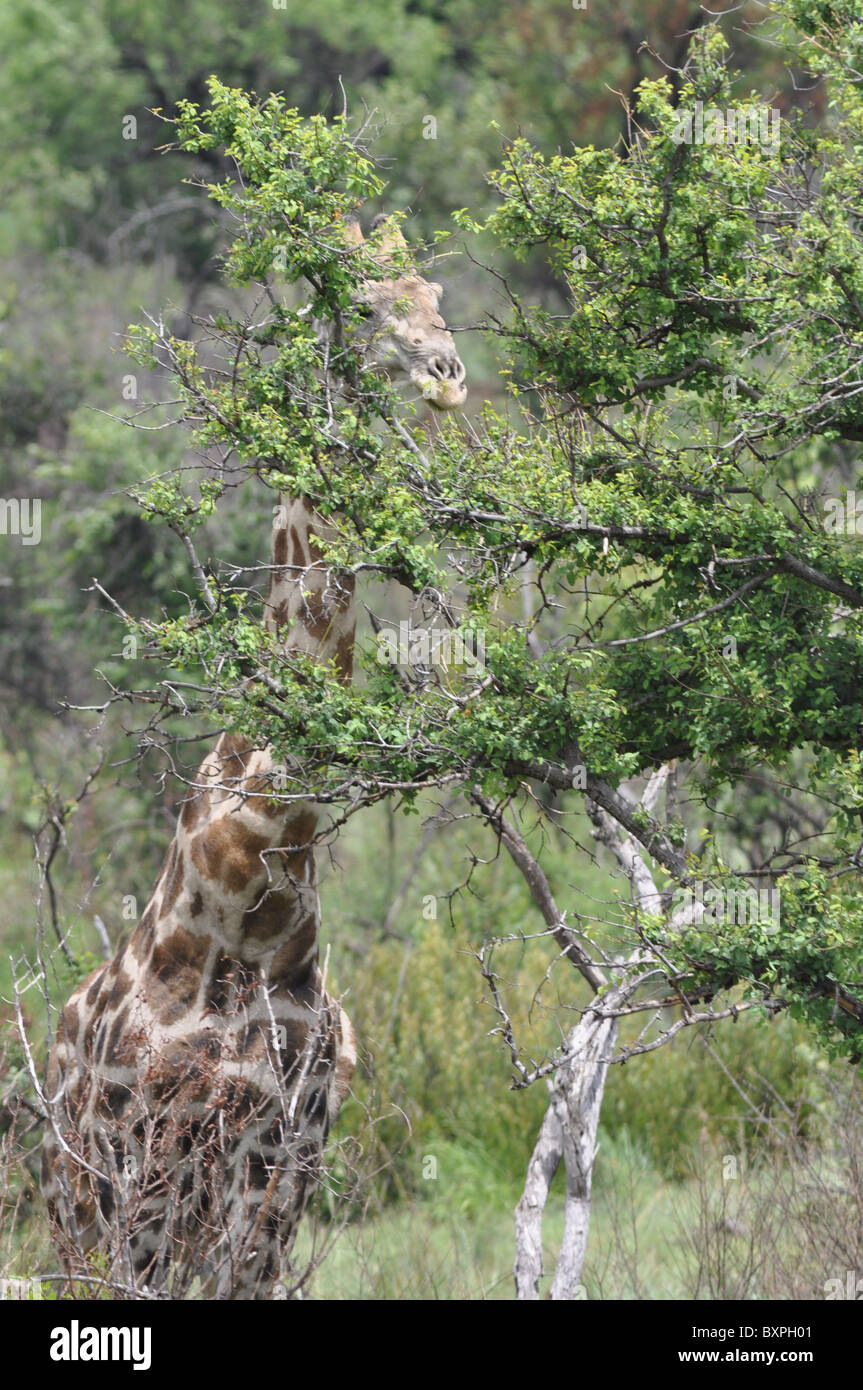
<point>441,380</point>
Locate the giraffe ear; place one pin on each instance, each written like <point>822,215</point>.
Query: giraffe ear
<point>391,245</point>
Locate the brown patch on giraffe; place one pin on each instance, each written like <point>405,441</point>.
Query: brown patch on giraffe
<point>141,940</point>
<point>228,852</point>
<point>179,952</point>
<point>119,1048</point>
<point>282,612</point>
<point>315,1107</point>
<point>280,547</point>
<point>300,832</point>
<point>113,1100</point>
<point>254,1041</point>
<point>93,984</point>
<point>190,1059</point>
<point>121,988</point>
<point>292,962</point>
<point>298,554</point>
<point>276,810</point>
<point>239,1100</point>
<point>206,1043</point>
<point>194,807</point>
<point>217,992</point>
<point>317,617</point>
<point>186,1067</point>
<point>235,745</point>
<point>69,1024</point>
<point>228,975</point>
<point>85,1216</point>
<point>257,1174</point>
<point>206,850</point>
<point>106,1199</point>
<point>306,994</point>
<point>259,784</point>
<point>233,748</point>
<point>187,1185</point>
<point>344,657</point>
<point>174,881</point>
<point>293,863</point>
<point>177,963</point>
<point>196,906</point>
<point>344,592</point>
<point>308,1159</point>
<point>268,918</point>
<point>88,1043</point>
<point>273,1137</point>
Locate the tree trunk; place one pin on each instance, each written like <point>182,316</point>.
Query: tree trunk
<point>568,1132</point>
<point>528,1214</point>
<point>577,1101</point>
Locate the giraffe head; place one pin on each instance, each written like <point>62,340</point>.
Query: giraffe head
<point>403,332</point>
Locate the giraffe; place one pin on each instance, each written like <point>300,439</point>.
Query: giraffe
<point>194,1076</point>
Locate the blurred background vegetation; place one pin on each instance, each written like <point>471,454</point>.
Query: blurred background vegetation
<point>96,228</point>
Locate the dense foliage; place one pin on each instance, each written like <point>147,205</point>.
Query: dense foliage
<point>648,518</point>
<point>705,368</point>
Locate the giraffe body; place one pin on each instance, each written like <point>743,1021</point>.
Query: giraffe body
<point>201,1067</point>
<point>194,1076</point>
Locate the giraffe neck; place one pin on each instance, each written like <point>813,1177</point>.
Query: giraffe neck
<point>316,600</point>
<point>241,869</point>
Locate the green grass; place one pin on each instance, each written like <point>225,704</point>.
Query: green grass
<point>458,1242</point>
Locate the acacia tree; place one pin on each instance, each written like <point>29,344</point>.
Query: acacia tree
<point>670,612</point>
<point>703,392</point>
